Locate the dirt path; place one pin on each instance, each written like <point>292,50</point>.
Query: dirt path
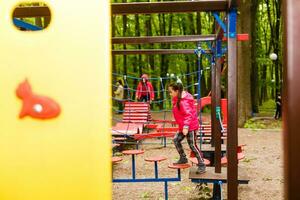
<point>264,164</point>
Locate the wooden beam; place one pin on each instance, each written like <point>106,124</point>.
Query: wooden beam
<point>154,51</point>
<point>232,130</point>
<point>211,177</point>
<point>168,7</point>
<point>233,3</point>
<point>218,134</point>
<point>162,39</point>
<point>32,11</point>
<point>291,98</point>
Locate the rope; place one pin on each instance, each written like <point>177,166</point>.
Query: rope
<point>156,91</point>
<point>219,118</point>
<point>169,76</point>
<point>198,52</point>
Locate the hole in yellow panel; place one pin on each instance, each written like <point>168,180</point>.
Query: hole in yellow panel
<point>33,16</point>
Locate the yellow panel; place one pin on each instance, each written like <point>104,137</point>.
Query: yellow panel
<point>68,157</point>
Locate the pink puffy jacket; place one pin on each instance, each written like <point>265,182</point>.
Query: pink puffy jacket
<point>144,89</point>
<point>187,114</point>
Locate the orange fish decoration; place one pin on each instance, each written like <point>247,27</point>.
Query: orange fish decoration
<point>36,106</point>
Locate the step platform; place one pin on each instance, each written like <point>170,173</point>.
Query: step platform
<point>211,177</point>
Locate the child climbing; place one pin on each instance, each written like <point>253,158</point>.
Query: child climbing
<point>144,91</point>
<point>185,115</point>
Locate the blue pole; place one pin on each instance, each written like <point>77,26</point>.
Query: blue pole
<point>156,169</point>
<point>166,190</point>
<point>133,166</point>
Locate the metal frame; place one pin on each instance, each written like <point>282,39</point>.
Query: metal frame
<point>148,180</point>
<point>197,6</point>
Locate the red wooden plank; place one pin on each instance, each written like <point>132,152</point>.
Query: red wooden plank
<point>135,114</point>
<point>135,121</point>
<point>168,129</point>
<point>134,118</point>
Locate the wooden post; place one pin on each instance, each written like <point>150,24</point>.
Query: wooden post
<point>291,98</point>
<point>232,139</point>
<point>218,104</point>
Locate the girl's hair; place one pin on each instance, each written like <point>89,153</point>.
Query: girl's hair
<point>120,82</point>
<point>177,87</point>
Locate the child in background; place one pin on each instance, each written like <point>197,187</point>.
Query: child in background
<point>278,107</point>
<point>144,91</point>
<point>119,94</point>
<point>185,115</point>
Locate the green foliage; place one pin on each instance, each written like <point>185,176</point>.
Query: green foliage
<point>267,28</point>
<point>146,195</point>
<point>254,124</point>
<point>203,192</point>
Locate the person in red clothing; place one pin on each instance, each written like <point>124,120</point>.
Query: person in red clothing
<point>186,117</point>
<point>144,91</point>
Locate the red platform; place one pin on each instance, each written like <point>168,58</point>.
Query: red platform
<point>194,160</point>
<point>119,139</point>
<point>133,152</point>
<point>116,159</point>
<point>157,158</point>
<point>181,166</point>
<point>115,145</point>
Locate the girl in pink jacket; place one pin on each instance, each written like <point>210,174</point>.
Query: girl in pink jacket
<point>185,115</point>
<point>144,91</point>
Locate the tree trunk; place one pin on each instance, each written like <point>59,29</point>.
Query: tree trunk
<point>124,17</point>
<point>244,65</point>
<point>254,69</point>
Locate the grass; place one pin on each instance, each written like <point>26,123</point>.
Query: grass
<point>265,118</point>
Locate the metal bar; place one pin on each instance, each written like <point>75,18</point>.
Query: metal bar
<point>133,166</point>
<point>179,174</point>
<point>166,190</point>
<point>168,7</point>
<point>162,39</point>
<point>32,11</point>
<point>232,170</point>
<point>220,21</point>
<point>218,105</point>
<point>217,191</point>
<point>144,180</point>
<point>154,51</point>
<point>165,141</point>
<point>25,25</point>
<point>156,169</point>
<point>291,98</point>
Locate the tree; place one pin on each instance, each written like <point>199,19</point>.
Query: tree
<point>244,64</point>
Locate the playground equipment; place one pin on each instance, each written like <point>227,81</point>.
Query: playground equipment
<point>224,29</point>
<point>156,178</point>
